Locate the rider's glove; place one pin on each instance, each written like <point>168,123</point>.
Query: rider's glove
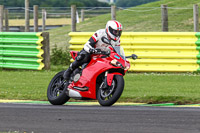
<point>92,51</point>
<point>108,52</point>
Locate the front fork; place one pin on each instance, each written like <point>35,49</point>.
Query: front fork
<point>108,79</point>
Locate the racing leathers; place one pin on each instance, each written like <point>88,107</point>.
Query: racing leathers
<point>89,48</point>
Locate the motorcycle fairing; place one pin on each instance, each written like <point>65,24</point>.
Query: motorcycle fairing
<point>89,76</point>
<point>98,65</point>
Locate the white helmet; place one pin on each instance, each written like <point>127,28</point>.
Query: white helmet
<point>113,30</point>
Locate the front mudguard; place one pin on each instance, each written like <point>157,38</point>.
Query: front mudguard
<point>110,77</point>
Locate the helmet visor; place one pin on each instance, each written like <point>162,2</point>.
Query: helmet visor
<point>115,32</point>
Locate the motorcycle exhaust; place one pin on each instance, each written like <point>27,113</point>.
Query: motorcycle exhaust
<point>73,94</point>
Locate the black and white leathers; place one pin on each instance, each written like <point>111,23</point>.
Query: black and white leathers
<point>96,42</point>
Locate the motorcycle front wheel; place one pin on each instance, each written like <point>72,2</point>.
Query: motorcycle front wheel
<point>56,91</point>
<point>108,96</point>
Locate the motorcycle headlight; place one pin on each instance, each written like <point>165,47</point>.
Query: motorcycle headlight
<point>114,62</point>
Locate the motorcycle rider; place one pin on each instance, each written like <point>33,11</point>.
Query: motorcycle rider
<point>112,33</point>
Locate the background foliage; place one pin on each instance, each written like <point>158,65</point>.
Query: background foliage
<point>60,56</point>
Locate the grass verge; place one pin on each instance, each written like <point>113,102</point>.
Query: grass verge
<point>160,88</point>
<point>139,87</point>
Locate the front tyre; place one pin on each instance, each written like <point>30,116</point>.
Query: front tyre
<point>56,92</point>
<point>108,96</point>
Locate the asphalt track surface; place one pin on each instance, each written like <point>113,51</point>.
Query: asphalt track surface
<point>35,118</point>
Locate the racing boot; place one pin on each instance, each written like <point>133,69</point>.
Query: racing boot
<point>67,73</point>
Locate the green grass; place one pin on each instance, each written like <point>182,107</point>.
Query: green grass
<point>23,84</point>
<point>159,88</point>
<point>141,87</point>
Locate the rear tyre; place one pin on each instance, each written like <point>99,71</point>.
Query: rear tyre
<point>108,96</point>
<point>56,91</point>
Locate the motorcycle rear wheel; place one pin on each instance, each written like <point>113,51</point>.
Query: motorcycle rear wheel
<point>108,96</point>
<point>56,93</point>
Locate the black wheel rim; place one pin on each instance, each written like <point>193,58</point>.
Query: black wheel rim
<point>107,93</point>
<point>57,87</point>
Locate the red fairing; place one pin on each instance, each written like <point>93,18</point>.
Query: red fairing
<point>90,74</point>
<point>97,66</point>
<point>74,54</point>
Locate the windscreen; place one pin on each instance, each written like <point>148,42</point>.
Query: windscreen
<point>120,51</point>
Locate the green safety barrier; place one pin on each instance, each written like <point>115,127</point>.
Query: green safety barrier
<point>157,51</point>
<point>21,50</point>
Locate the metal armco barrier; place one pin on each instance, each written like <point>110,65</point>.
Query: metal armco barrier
<point>157,51</point>
<point>21,50</point>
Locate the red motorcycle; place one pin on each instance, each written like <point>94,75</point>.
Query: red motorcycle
<point>101,78</point>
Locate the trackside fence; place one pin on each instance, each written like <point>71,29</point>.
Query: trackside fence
<point>157,51</point>
<point>24,50</point>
